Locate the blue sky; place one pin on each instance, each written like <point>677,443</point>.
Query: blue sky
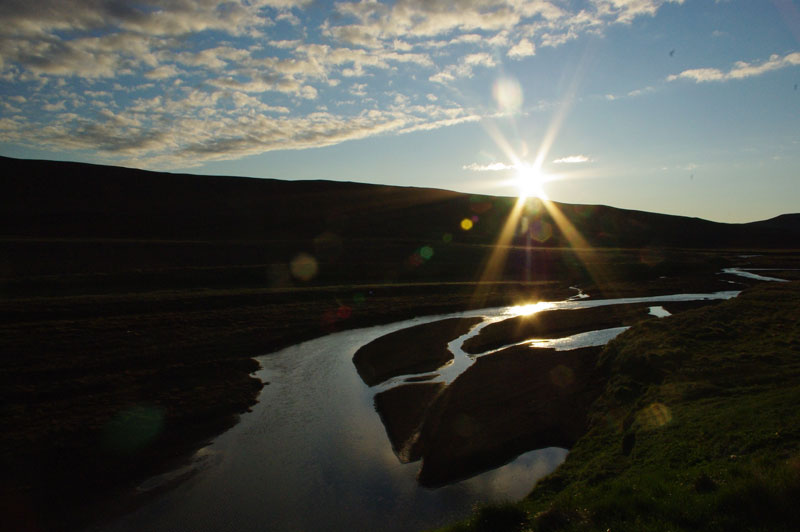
<point>687,107</point>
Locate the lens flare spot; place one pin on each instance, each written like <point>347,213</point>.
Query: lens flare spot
<point>654,416</point>
<point>651,256</point>
<point>466,224</point>
<point>447,238</point>
<point>415,260</point>
<point>304,267</point>
<point>541,231</point>
<point>479,205</point>
<point>533,206</point>
<point>562,376</point>
<point>328,246</point>
<point>133,429</point>
<point>507,94</point>
<point>426,252</point>
<point>524,224</point>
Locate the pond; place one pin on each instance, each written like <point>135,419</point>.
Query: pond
<point>314,455</point>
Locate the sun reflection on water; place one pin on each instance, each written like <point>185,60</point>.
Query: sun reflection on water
<point>528,309</point>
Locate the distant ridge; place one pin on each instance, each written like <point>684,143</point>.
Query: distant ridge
<point>786,222</point>
<point>66,199</point>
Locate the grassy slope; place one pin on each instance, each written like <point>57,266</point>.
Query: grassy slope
<point>698,429</point>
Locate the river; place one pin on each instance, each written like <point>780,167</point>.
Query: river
<point>314,455</point>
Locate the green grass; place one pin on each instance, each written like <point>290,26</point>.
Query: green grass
<point>698,429</point>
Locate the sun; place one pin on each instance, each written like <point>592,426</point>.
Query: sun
<point>529,180</point>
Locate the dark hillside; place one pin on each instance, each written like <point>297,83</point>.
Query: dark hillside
<point>62,224</point>
<point>786,222</point>
<point>63,199</point>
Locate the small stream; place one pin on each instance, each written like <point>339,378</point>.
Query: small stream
<point>314,455</point>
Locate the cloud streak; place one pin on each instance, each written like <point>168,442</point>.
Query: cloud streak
<point>740,70</point>
<point>573,159</point>
<point>493,167</point>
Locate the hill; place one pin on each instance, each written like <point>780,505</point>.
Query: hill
<point>65,199</point>
<point>66,221</point>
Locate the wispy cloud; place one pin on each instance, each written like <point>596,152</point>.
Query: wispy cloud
<point>630,94</point>
<point>523,48</point>
<point>625,11</point>
<point>740,70</point>
<point>493,167</point>
<point>573,159</point>
<point>465,67</point>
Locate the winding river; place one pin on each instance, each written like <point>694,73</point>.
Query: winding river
<point>314,455</point>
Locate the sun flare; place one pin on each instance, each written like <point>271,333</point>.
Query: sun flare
<point>529,181</point>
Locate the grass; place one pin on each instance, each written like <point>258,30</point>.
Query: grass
<point>697,429</point>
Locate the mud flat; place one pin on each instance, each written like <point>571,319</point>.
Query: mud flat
<point>402,410</point>
<point>414,350</point>
<point>510,402</point>
<point>505,404</point>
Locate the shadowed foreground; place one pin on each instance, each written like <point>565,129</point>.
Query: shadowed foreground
<point>504,405</point>
<point>131,302</point>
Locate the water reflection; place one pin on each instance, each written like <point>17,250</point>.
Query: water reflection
<point>527,310</point>
<point>659,312</point>
<point>750,275</point>
<point>314,455</point>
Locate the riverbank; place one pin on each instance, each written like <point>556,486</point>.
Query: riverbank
<point>696,428</point>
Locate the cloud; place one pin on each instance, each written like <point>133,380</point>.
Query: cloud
<point>358,89</point>
<point>465,67</point>
<point>624,11</point>
<point>178,82</point>
<point>639,92</point>
<point>60,106</point>
<point>162,72</point>
<point>493,167</point>
<point>523,48</point>
<point>740,70</point>
<point>573,159</point>
<point>194,126</point>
